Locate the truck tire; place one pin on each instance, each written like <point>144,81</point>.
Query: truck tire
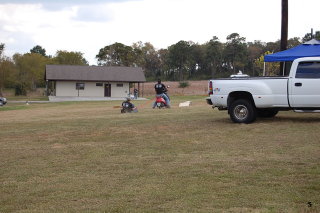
<point>242,111</point>
<point>267,113</point>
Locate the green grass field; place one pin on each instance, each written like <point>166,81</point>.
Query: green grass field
<point>87,157</point>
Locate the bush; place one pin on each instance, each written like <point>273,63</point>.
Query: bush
<point>183,84</point>
<point>20,89</point>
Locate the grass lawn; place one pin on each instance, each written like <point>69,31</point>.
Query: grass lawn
<point>87,157</point>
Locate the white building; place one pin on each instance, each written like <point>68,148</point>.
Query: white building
<point>92,81</point>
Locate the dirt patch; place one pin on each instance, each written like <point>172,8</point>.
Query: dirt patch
<point>194,88</point>
<point>58,146</point>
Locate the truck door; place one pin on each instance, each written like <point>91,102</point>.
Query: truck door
<point>304,88</point>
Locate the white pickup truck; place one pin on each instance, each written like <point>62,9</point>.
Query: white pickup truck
<point>245,98</point>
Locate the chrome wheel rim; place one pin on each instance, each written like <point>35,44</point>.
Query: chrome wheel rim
<point>241,112</point>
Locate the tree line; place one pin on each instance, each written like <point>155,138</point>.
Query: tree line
<point>182,61</point>
<point>26,72</point>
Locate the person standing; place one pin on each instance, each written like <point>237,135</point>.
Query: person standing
<point>135,93</point>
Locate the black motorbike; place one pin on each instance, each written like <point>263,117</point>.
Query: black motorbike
<point>127,108</point>
<point>3,101</point>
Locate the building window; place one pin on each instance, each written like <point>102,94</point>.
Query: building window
<point>119,85</point>
<point>99,84</point>
<point>80,86</point>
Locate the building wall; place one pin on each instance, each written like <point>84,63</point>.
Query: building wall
<point>119,91</point>
<point>68,88</point>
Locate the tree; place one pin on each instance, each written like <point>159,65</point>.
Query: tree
<point>140,52</point>
<point>1,49</point>
<point>179,57</point>
<point>309,36</point>
<point>149,59</point>
<point>235,52</point>
<point>69,58</point>
<point>164,69</point>
<point>255,50</point>
<point>272,68</point>
<point>292,42</point>
<point>8,73</point>
<point>272,46</point>
<point>117,54</point>
<point>38,49</point>
<point>213,55</point>
<point>197,61</point>
<point>1,69</point>
<point>30,71</point>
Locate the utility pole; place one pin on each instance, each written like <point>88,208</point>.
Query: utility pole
<point>284,30</point>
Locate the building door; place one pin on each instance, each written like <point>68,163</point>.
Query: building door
<point>107,90</point>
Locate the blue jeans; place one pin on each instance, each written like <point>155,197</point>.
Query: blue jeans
<point>165,97</point>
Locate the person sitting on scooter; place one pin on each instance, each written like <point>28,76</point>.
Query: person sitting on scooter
<point>161,89</point>
<point>127,106</point>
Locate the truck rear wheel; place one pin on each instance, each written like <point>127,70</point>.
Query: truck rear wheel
<point>242,111</point>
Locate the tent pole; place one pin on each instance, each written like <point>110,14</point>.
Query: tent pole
<point>283,68</point>
<point>264,69</point>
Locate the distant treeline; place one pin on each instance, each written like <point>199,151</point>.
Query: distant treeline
<point>182,61</point>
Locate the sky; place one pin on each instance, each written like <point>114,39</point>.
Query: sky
<point>86,26</point>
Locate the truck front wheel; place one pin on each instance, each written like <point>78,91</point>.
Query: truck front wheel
<point>242,111</point>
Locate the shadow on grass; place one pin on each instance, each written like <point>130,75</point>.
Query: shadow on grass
<point>277,119</point>
<point>306,119</point>
<point>287,118</point>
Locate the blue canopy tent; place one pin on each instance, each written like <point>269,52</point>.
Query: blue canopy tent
<point>307,49</point>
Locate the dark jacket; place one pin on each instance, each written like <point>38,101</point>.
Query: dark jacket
<point>160,88</point>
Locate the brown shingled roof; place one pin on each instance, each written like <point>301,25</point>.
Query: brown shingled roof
<point>94,73</point>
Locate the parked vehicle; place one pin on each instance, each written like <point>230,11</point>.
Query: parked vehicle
<point>246,98</point>
<point>3,101</point>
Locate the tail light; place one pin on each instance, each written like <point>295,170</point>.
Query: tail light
<point>210,88</point>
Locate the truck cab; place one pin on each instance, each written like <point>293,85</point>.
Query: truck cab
<point>304,83</point>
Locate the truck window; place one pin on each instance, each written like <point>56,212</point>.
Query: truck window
<point>308,70</point>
